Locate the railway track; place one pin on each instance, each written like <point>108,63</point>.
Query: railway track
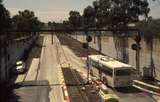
<point>72,81</point>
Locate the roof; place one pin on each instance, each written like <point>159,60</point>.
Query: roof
<point>110,62</point>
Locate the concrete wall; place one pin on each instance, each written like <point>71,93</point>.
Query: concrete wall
<point>11,53</point>
<point>108,48</point>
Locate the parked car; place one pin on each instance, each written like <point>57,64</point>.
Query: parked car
<point>20,67</point>
<point>106,96</point>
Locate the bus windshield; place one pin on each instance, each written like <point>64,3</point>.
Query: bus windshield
<point>123,72</point>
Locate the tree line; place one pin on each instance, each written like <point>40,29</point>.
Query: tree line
<point>115,14</point>
<point>149,28</point>
<point>110,13</point>
<point>24,20</point>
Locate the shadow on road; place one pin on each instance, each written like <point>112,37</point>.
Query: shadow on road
<point>75,45</point>
<point>29,91</point>
<point>128,90</point>
<point>28,55</point>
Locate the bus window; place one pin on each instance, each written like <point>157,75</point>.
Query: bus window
<point>107,71</point>
<point>94,64</point>
<point>124,72</point>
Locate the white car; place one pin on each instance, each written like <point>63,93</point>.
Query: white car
<point>20,67</point>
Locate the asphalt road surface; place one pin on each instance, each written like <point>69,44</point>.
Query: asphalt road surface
<point>46,70</point>
<point>125,95</point>
<point>49,70</point>
<point>30,91</point>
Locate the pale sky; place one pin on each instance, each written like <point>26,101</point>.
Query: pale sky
<point>58,10</point>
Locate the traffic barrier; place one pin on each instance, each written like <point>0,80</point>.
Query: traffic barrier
<point>65,91</point>
<point>146,87</point>
<point>66,94</point>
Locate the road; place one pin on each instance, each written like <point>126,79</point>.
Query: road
<point>125,95</point>
<point>45,68</point>
<point>44,80</point>
<point>49,69</point>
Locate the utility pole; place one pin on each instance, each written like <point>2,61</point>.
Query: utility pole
<point>52,32</point>
<point>52,37</point>
<point>86,46</point>
<point>87,58</point>
<point>137,59</point>
<point>99,42</point>
<point>137,48</point>
<point>6,55</point>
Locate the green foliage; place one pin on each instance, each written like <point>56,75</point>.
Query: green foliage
<point>121,12</point>
<point>5,21</point>
<point>114,13</point>
<point>51,24</point>
<point>66,24</point>
<point>75,19</point>
<point>26,20</point>
<point>150,28</point>
<point>89,17</point>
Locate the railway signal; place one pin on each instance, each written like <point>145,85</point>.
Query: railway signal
<point>89,38</point>
<point>85,45</point>
<point>135,47</point>
<point>138,38</point>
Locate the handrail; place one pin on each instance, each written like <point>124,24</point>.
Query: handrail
<point>61,30</point>
<point>146,87</point>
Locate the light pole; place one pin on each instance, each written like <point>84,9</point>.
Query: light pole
<point>86,46</point>
<point>137,48</point>
<point>52,32</point>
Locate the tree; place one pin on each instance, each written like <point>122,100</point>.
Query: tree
<point>5,20</point>
<point>98,22</point>
<point>5,24</point>
<point>75,19</point>
<point>89,17</point>
<point>66,24</point>
<point>149,28</point>
<point>51,24</point>
<point>26,20</point>
<point>119,13</point>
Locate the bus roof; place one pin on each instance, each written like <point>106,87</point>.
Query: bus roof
<point>109,62</point>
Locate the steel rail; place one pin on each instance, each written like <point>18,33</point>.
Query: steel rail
<point>74,74</point>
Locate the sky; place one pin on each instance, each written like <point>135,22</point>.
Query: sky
<point>58,10</point>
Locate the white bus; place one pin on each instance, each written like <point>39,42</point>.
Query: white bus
<point>110,71</point>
